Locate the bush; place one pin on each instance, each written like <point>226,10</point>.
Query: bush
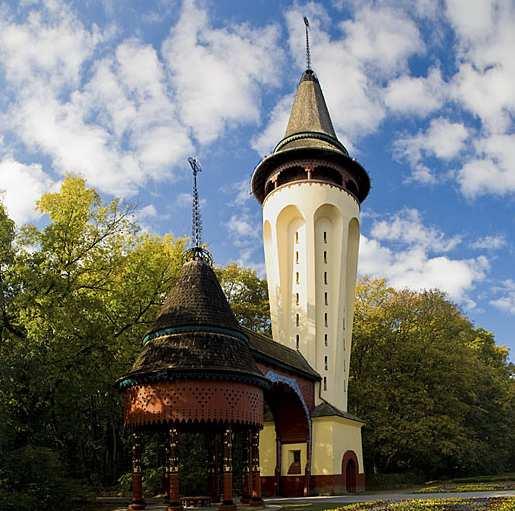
<point>34,478</point>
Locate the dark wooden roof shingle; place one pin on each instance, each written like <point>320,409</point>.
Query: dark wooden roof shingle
<point>195,334</point>
<point>265,349</point>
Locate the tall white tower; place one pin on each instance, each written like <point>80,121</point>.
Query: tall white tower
<point>311,191</point>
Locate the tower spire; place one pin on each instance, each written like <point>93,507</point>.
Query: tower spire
<point>308,52</point>
<point>197,251</point>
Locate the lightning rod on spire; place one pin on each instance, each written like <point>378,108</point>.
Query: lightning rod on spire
<point>308,52</point>
<point>196,251</point>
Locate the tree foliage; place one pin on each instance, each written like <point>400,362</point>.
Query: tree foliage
<point>78,294</point>
<point>248,296</point>
<point>436,392</point>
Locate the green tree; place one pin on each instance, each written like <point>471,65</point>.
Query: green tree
<point>82,292</point>
<point>247,295</point>
<point>433,389</point>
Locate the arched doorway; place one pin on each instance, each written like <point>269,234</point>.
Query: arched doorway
<point>350,471</point>
<point>286,405</point>
<point>350,476</point>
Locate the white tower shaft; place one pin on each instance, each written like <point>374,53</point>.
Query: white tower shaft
<point>311,192</point>
<point>311,238</point>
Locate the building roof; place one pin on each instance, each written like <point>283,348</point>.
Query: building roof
<point>195,335</point>
<point>265,349</point>
<point>197,300</point>
<point>309,134</point>
<point>310,124</point>
<point>326,409</point>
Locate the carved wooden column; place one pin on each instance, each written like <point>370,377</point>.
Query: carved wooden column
<point>166,476</point>
<point>213,467</point>
<point>174,503</point>
<point>278,461</point>
<point>227,502</point>
<point>256,499</point>
<point>247,464</point>
<point>137,482</point>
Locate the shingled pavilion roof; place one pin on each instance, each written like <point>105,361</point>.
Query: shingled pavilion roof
<point>195,335</point>
<point>266,350</point>
<point>197,299</point>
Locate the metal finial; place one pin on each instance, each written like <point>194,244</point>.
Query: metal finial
<point>308,52</point>
<point>196,251</point>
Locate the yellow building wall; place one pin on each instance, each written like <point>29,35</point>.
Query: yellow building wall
<point>267,449</point>
<point>332,437</point>
<point>285,457</point>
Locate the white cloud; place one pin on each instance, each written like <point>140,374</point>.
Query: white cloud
<point>484,81</point>
<point>274,131</point>
<point>414,269</point>
<point>242,226</point>
<point>420,96</point>
<point>242,190</point>
<point>219,73</point>
<point>383,37</point>
<point>406,226</point>
<point>51,44</point>
<point>148,211</point>
<point>20,187</point>
<point>185,200</point>
<point>443,139</point>
<point>408,255</point>
<point>493,169</point>
<point>375,45</point>
<point>506,302</point>
<point>471,18</point>
<point>494,242</point>
<point>118,128</point>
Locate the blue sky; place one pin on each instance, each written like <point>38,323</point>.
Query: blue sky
<point>421,93</point>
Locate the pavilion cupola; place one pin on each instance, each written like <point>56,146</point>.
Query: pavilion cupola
<point>196,373</point>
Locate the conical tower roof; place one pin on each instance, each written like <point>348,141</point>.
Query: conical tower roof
<point>309,124</point>
<point>309,133</point>
<point>197,300</point>
<point>309,111</point>
<point>195,335</point>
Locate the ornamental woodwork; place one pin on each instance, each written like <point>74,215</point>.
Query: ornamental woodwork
<point>193,400</point>
<point>173,471</point>
<point>256,499</point>
<point>247,474</point>
<point>227,502</point>
<point>137,482</point>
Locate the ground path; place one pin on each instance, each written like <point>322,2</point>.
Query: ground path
<point>391,496</point>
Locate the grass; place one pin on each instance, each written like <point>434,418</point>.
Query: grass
<point>489,483</point>
<point>452,504</point>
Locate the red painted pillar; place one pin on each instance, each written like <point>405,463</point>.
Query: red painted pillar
<point>227,502</point>
<point>256,499</point>
<point>174,503</point>
<point>137,481</point>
